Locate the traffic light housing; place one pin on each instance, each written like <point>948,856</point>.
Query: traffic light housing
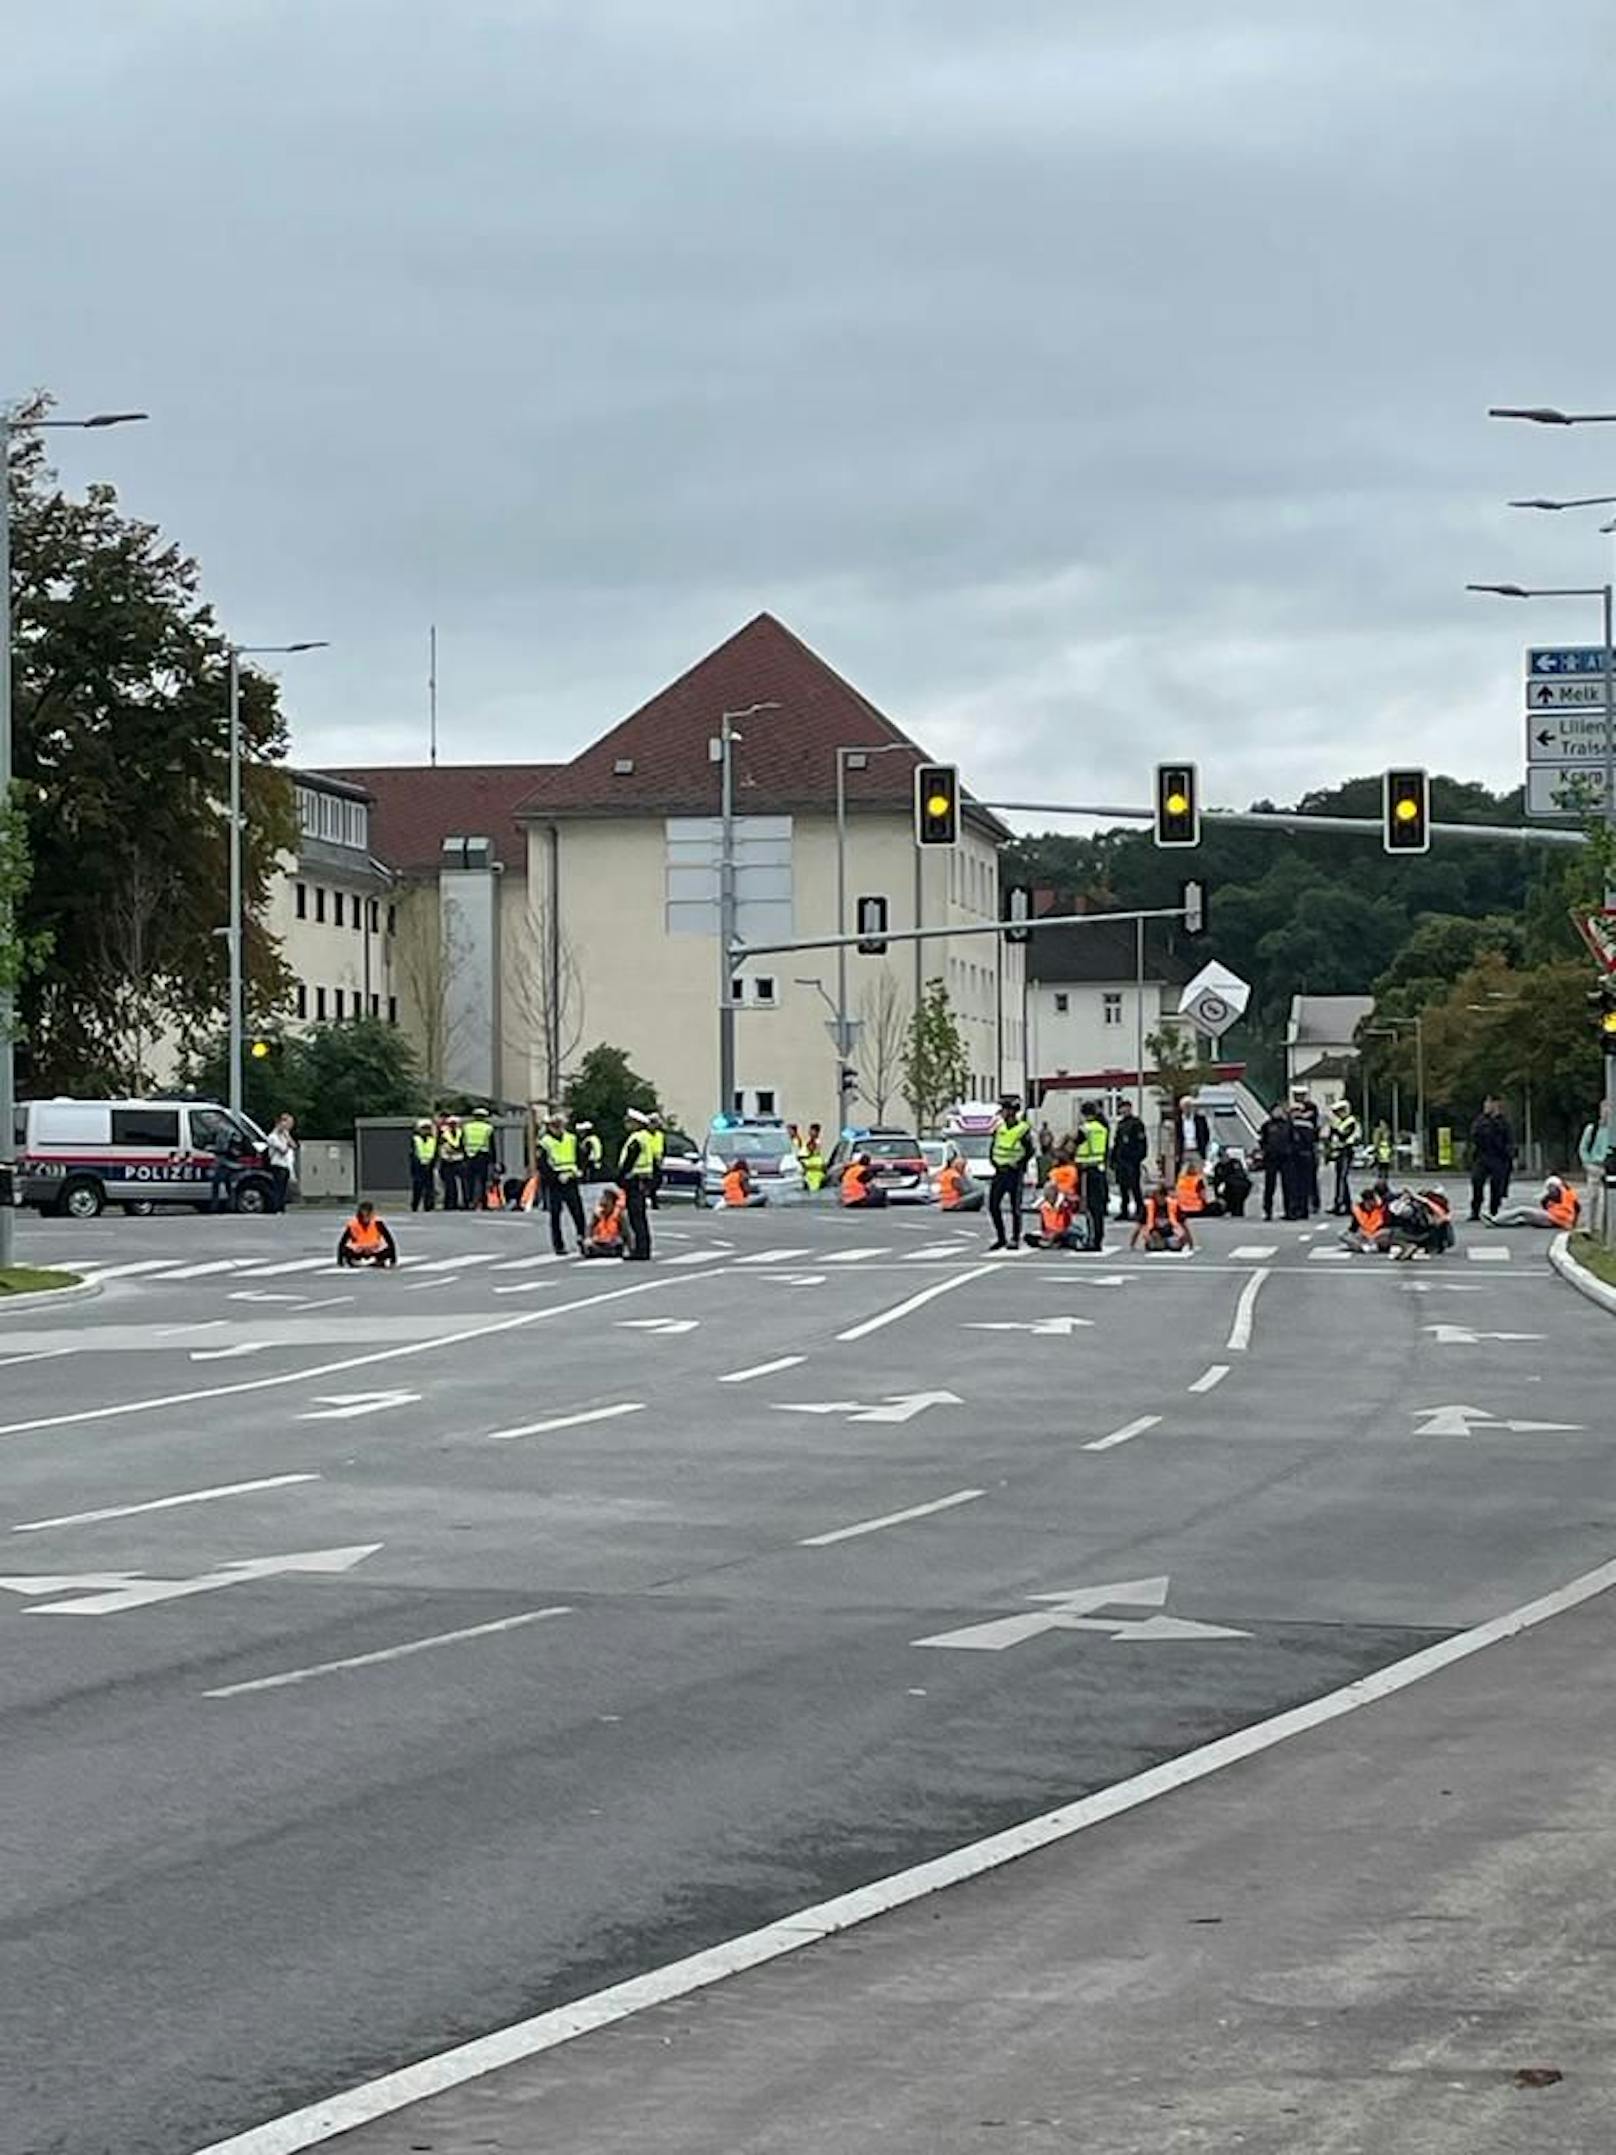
<point>846,1081</point>
<point>1197,908</point>
<point>937,804</point>
<point>1407,813</point>
<point>1178,805</point>
<point>872,926</point>
<point>261,1050</point>
<point>1603,999</point>
<point>1017,912</point>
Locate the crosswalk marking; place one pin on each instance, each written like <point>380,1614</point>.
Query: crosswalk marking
<point>1258,1252</point>
<point>217,1264</point>
<point>1329,1257</point>
<point>698,1257</point>
<point>1493,1255</point>
<point>771,1257</point>
<point>524,1264</point>
<point>115,1272</point>
<point>936,1249</point>
<point>846,1257</point>
<point>293,1264</point>
<point>457,1264</point>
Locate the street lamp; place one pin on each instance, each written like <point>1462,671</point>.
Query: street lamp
<point>725,759</point>
<point>233,932</point>
<point>1416,1024</point>
<point>10,425</point>
<point>1549,415</point>
<point>1577,501</point>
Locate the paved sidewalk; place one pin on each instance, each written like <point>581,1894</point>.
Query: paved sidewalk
<point>1346,1946</point>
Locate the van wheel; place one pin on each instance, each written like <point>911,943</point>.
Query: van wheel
<point>83,1199</point>
<point>251,1197</point>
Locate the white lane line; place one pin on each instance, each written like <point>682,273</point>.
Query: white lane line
<point>771,1257</point>
<point>299,2130</point>
<point>763,1369</point>
<point>434,1345</point>
<point>294,1264</point>
<point>216,1264</point>
<point>115,1272</point>
<point>1256,1250</point>
<point>909,1305</point>
<point>386,1653</point>
<point>852,1257</point>
<point>459,1264</point>
<point>1494,1256</point>
<point>40,1354</point>
<point>891,1518</point>
<point>524,1264</point>
<point>191,1496</point>
<point>1125,1434</point>
<point>517,1286</point>
<point>1245,1311</point>
<point>1329,1257</point>
<point>700,1257</point>
<point>1211,1379</point>
<point>567,1421</point>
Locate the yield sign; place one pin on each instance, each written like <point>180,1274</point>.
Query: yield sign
<point>897,1407</point>
<point>1460,1335</point>
<point>1456,1421</point>
<point>109,1593</point>
<point>1040,1327</point>
<point>1071,1611</point>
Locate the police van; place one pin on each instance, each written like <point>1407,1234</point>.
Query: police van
<point>76,1157</point>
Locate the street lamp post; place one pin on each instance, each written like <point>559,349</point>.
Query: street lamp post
<point>727,737</point>
<point>8,1068</point>
<point>233,932</point>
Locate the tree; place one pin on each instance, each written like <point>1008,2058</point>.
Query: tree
<point>883,1033</point>
<point>427,952</point>
<point>120,718</point>
<point>544,994</point>
<point>328,1078</point>
<point>935,1064</point>
<point>602,1090</point>
<point>1178,1062</point>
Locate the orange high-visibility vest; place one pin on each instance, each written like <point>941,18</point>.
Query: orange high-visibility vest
<point>951,1188</point>
<point>854,1189</point>
<point>1369,1219</point>
<point>1175,1214</point>
<point>363,1235</point>
<point>530,1193</point>
<point>735,1187</point>
<point>1565,1209</point>
<point>1065,1177</point>
<point>606,1228</point>
<point>1057,1219</point>
<point>496,1196</point>
<point>1190,1195</point>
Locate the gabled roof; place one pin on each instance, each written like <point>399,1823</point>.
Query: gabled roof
<point>1108,951</point>
<point>1326,1021</point>
<point>784,759</point>
<point>418,805</point>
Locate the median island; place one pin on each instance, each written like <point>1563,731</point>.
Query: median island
<point>29,1279</point>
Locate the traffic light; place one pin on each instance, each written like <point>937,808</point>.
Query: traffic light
<point>937,799</point>
<point>1603,999</point>
<point>1178,805</point>
<point>1407,817</point>
<point>1017,911</point>
<point>260,1051</point>
<point>846,1082</point>
<point>872,926</point>
<point>1197,911</point>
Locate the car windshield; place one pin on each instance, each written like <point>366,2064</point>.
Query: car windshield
<point>749,1144</point>
<point>890,1148</point>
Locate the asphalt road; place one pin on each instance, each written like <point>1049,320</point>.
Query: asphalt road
<point>535,1662</point>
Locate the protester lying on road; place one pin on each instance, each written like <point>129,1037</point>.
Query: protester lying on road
<point>1558,1207</point>
<point>366,1240</point>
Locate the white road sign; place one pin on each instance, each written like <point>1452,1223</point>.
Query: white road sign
<point>1072,1610</point>
<point>1577,658</point>
<point>1565,737</point>
<point>1214,999</point>
<point>1559,790</point>
<point>110,1593</point>
<point>1566,692</point>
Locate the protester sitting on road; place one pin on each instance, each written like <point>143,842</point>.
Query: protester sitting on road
<point>366,1240</point>
<point>1164,1226</point>
<point>1421,1223</point>
<point>956,1191</point>
<point>1559,1207</point>
<point>1195,1200</point>
<point>1060,1225</point>
<point>1231,1179</point>
<point>605,1237</point>
<point>1064,1172</point>
<point>1371,1229</point>
<point>859,1186</point>
<point>739,1189</point>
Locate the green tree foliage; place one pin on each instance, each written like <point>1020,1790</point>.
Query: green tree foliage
<point>936,1068</point>
<point>328,1077</point>
<point>602,1090</point>
<point>121,723</point>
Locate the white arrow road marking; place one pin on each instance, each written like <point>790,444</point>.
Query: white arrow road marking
<point>227,1354</point>
<point>343,1406</point>
<point>191,1496</point>
<point>1040,1327</point>
<point>897,1407</point>
<point>1071,1610</point>
<point>1459,1421</point>
<point>110,1593</point>
<point>665,1326</point>
<point>1460,1335</point>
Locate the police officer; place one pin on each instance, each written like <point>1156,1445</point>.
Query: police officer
<point>477,1136</point>
<point>1093,1146</point>
<point>560,1161</point>
<point>451,1163</point>
<point>423,1165</point>
<point>1010,1149</point>
<point>657,1134</point>
<point>1341,1135</point>
<point>589,1151</point>
<point>636,1171</point>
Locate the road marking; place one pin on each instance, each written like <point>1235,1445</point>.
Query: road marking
<point>386,1653</point>
<point>125,1272</point>
<point>261,1294</point>
<point>1492,1256</point>
<point>1072,1610</point>
<point>520,1287</point>
<point>1125,1434</point>
<point>1244,1313</point>
<point>763,1369</point>
<point>1460,1335</point>
<point>1257,1250</point>
<point>764,1257</point>
<point>700,1257</point>
<point>298,2130</point>
<point>327,1369</point>
<point>896,1407</point>
<point>1457,1421</point>
<point>792,1279</point>
<point>1329,1257</point>
<point>459,1264</point>
<point>345,1406</point>
<point>112,1593</point>
<point>849,1257</point>
<point>218,1264</point>
<point>293,1264</point>
<point>567,1421</point>
<point>524,1264</point>
<point>666,1327</point>
<point>229,1354</point>
<point>1040,1327</point>
<point>911,1303</point>
<point>933,1249</point>
<point>40,1354</point>
<point>1212,1378</point>
<point>891,1518</point>
<point>191,1496</point>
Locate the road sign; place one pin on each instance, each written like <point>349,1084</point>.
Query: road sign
<point>1577,658</point>
<point>1071,1610</point>
<point>1565,692</point>
<point>110,1593</point>
<point>1598,931</point>
<point>1558,790</point>
<point>1565,737</point>
<point>1214,999</point>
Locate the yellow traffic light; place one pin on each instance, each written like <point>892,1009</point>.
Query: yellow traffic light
<point>1178,811</point>
<point>1178,804</point>
<point>1607,1024</point>
<point>1406,810</point>
<point>937,804</point>
<point>260,1048</point>
<point>1406,822</point>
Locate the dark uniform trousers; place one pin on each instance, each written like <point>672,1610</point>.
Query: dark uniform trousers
<point>1007,1183</point>
<point>563,1196</point>
<point>637,1190</point>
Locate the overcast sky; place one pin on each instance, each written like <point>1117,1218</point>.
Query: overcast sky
<point>1087,382</point>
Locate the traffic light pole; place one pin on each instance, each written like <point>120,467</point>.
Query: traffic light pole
<point>1278,819</point>
<point>1608,1190</point>
<point>738,951</point>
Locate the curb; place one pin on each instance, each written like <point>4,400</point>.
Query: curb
<point>1579,1276</point>
<point>76,1293</point>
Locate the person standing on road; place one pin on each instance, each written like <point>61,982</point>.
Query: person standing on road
<point>1130,1142</point>
<point>560,1166</point>
<point>1492,1156</point>
<point>1093,1150</point>
<point>423,1165</point>
<point>1192,1134</point>
<point>280,1148</point>
<point>636,1171</point>
<point>477,1139</point>
<point>657,1131</point>
<point>1306,1136</point>
<point>451,1162</point>
<point>591,1154</point>
<point>1340,1144</point>
<point>1274,1149</point>
<point>1010,1149</point>
<point>226,1173</point>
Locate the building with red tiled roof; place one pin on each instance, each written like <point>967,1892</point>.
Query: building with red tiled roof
<point>417,806</point>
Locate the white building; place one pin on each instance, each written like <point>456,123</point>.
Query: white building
<point>1092,1007</point>
<point>1321,1048</point>
<point>333,907</point>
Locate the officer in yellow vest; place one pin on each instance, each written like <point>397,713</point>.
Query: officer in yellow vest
<point>559,1166</point>
<point>590,1152</point>
<point>1093,1151</point>
<point>636,1171</point>
<point>477,1136</point>
<point>1009,1150</point>
<point>423,1165</point>
<point>656,1131</point>
<point>812,1156</point>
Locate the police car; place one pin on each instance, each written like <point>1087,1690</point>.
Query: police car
<point>76,1157</point>
<point>763,1142</point>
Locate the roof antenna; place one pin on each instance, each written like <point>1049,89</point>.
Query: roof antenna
<point>432,693</point>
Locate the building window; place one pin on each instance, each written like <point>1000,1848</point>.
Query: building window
<point>392,920</point>
<point>336,1002</point>
<point>302,1000</point>
<point>319,1005</point>
<point>1111,1004</point>
<point>336,909</point>
<point>765,1100</point>
<point>302,901</point>
<point>392,1010</point>
<point>1063,1002</point>
<point>358,917</point>
<point>375,1006</point>
<point>374,915</point>
<point>319,901</point>
<point>753,991</point>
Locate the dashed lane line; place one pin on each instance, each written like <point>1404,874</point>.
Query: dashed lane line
<point>1245,1311</point>
<point>910,1303</point>
<point>1124,1435</point>
<point>568,1421</point>
<point>385,1653</point>
<point>763,1369</point>
<point>891,1518</point>
<point>1211,1379</point>
<point>190,1496</point>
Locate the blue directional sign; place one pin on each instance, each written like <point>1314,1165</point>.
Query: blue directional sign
<point>1577,658</point>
